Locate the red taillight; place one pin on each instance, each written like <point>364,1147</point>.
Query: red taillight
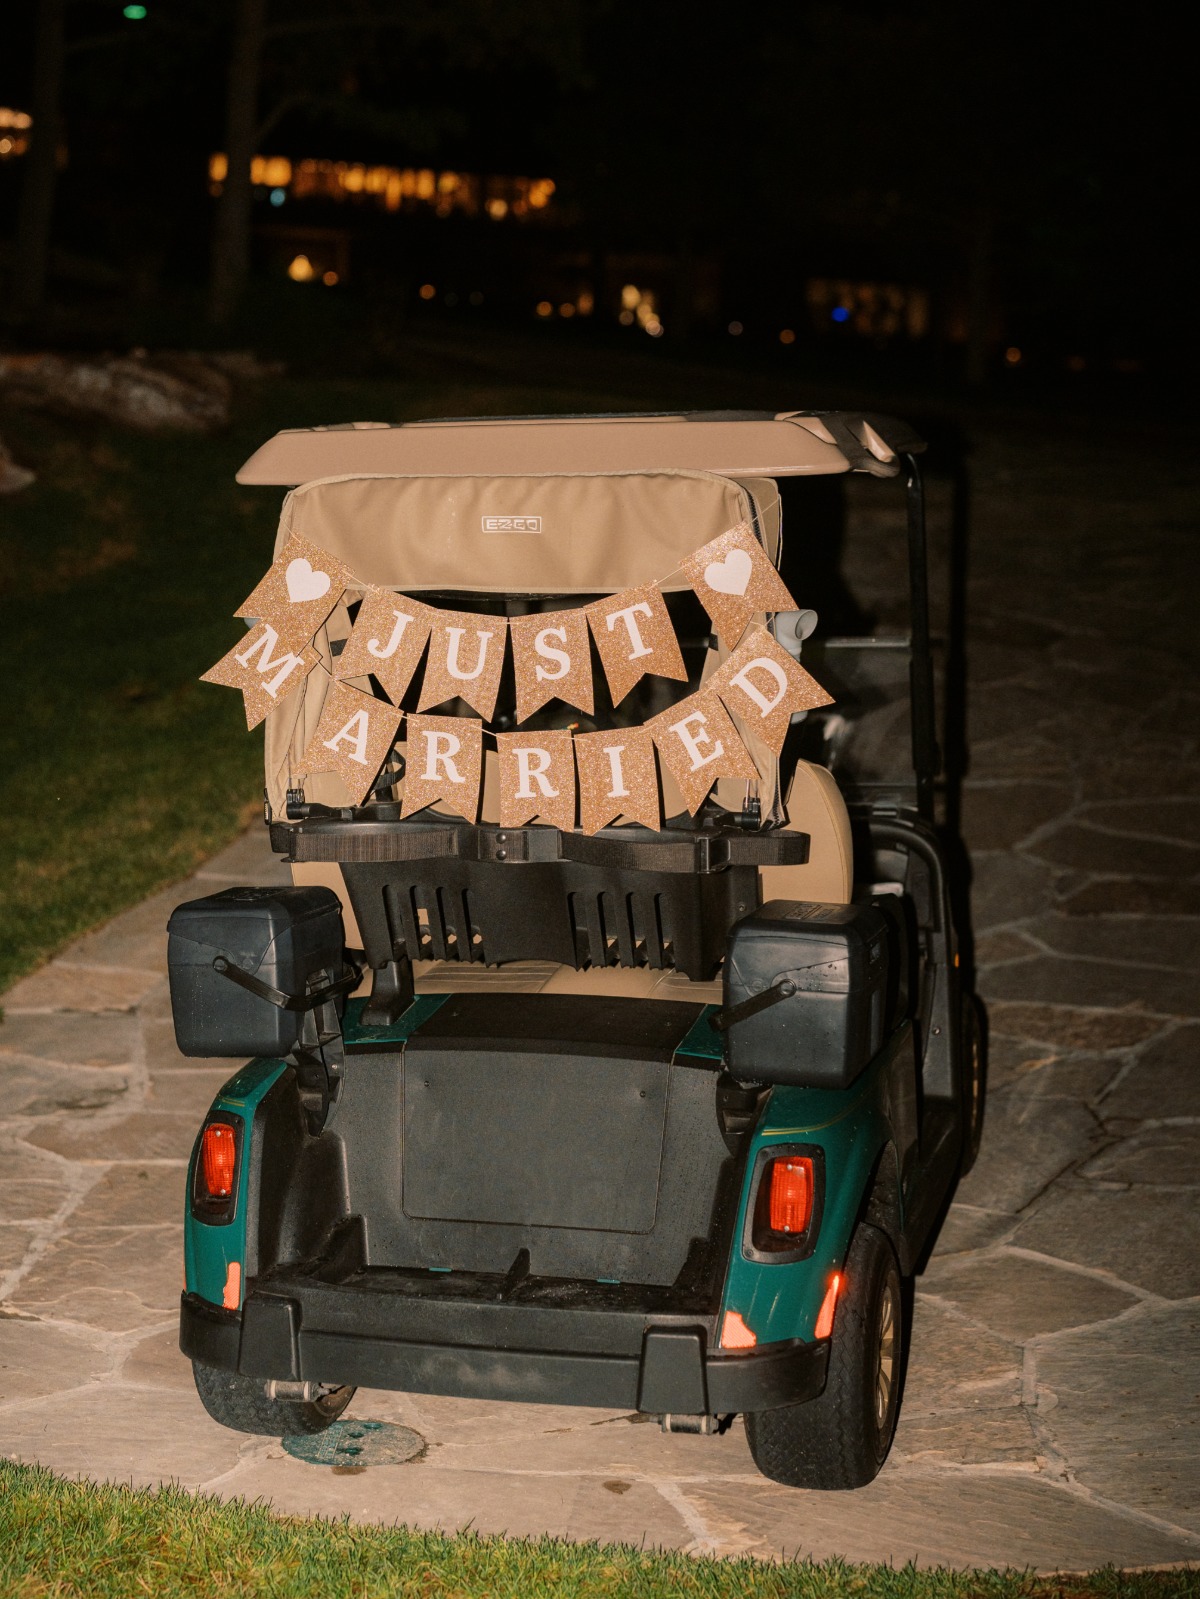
<point>218,1160</point>
<point>790,1201</point>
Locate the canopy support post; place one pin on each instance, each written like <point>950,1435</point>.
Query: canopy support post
<point>927,759</point>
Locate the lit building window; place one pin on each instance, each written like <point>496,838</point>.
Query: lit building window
<point>391,188</point>
<point>871,310</point>
<point>14,132</point>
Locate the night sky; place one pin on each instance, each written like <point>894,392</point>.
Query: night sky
<point>1034,151</point>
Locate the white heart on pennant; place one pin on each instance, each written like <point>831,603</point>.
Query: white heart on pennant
<point>303,583</point>
<point>732,575</point>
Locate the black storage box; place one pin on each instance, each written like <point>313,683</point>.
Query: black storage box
<point>832,964</point>
<point>284,937</point>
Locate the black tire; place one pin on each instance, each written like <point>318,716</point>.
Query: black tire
<point>841,1439</point>
<point>974,1080</point>
<point>242,1403</point>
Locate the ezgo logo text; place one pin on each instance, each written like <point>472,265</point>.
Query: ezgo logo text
<point>512,524</point>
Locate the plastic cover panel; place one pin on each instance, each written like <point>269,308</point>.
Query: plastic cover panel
<point>579,1143</point>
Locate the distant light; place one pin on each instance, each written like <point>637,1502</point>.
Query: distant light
<point>630,296</point>
<point>544,308</point>
<point>427,291</point>
<point>654,327</point>
<point>451,298</point>
<point>787,336</point>
<point>840,314</point>
<point>329,279</point>
<point>301,270</point>
<point>497,210</point>
<point>626,319</point>
<point>1012,355</point>
<point>735,328</point>
<point>278,196</point>
<point>475,297</point>
<point>134,13</point>
<point>566,309</point>
<point>1076,363</point>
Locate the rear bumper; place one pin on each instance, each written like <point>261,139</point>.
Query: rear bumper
<point>668,1370</point>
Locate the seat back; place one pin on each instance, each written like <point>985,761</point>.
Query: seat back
<point>815,806</point>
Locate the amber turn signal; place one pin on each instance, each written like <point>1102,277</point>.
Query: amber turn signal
<point>218,1160</point>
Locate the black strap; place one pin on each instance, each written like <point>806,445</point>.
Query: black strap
<point>626,855</point>
<point>723,1020</point>
<point>276,996</point>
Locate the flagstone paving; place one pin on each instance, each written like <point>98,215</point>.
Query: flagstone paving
<point>1052,1410</point>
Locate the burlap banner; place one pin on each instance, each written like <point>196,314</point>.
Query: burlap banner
<point>545,775</point>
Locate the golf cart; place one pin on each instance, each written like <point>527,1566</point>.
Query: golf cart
<point>654,1119</point>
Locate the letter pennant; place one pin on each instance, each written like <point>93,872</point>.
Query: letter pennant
<point>618,776</point>
<point>387,642</point>
<point>552,660</point>
<point>298,593</point>
<point>264,669</point>
<point>763,685</point>
<point>443,761</point>
<point>353,738</point>
<point>537,778</point>
<point>699,743</point>
<point>634,635</point>
<point>466,657</point>
<point>733,578</point>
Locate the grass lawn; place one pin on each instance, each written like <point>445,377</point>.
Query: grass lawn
<point>119,573</point>
<point>60,1538</point>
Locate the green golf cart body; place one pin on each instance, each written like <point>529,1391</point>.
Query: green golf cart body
<point>548,1150</point>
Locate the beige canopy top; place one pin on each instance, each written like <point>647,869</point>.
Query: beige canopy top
<point>586,534</point>
<point>734,444</point>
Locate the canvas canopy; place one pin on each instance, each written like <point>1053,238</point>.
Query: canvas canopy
<point>560,534</point>
<point>740,445</point>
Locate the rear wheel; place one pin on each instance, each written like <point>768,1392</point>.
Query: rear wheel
<point>974,1080</point>
<point>841,1439</point>
<point>246,1404</point>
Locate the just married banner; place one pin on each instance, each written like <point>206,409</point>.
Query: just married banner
<point>544,774</point>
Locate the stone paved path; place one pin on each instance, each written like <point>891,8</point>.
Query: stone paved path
<point>1052,1411</point>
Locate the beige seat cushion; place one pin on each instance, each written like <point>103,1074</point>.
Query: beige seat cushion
<point>815,806</point>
